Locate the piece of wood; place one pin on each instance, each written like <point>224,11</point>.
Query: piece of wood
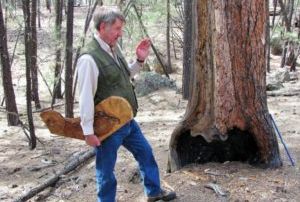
<point>217,189</point>
<point>78,160</point>
<point>110,115</point>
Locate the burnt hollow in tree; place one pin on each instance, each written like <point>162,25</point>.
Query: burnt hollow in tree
<point>239,146</point>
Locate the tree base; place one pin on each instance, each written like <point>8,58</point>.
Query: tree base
<point>239,146</point>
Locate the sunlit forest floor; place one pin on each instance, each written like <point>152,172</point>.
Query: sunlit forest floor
<point>22,169</point>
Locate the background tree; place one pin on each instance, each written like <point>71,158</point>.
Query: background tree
<point>169,66</point>
<point>227,117</point>
<point>48,5</point>
<point>34,66</point>
<point>287,15</point>
<point>10,100</point>
<point>28,56</point>
<point>69,51</point>
<point>58,63</point>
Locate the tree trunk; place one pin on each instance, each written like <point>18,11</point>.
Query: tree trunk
<point>287,18</point>
<point>34,72</point>
<point>274,13</point>
<point>58,63</point>
<point>227,117</point>
<point>39,13</point>
<point>268,39</point>
<point>69,52</point>
<point>48,5</point>
<point>28,54</point>
<point>10,101</point>
<point>169,66</point>
<point>188,46</point>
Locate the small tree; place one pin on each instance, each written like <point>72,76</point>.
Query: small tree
<point>58,66</point>
<point>69,55</point>
<point>34,67</point>
<point>28,56</point>
<point>10,100</point>
<point>169,66</point>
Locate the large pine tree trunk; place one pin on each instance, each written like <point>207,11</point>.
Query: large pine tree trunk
<point>69,52</point>
<point>11,107</point>
<point>227,117</point>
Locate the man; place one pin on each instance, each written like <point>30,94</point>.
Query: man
<point>103,72</point>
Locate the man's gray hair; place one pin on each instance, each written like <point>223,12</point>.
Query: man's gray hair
<point>107,15</point>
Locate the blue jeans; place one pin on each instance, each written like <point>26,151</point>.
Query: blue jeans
<point>131,137</point>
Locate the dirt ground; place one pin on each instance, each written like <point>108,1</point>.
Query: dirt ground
<point>22,169</point>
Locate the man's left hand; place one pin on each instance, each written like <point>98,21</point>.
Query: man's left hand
<point>142,50</point>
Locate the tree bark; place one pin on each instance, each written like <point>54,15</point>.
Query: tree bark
<point>169,66</point>
<point>39,13</point>
<point>69,55</point>
<point>58,63</point>
<point>10,101</point>
<point>188,46</point>
<point>28,54</point>
<point>227,117</point>
<point>34,72</point>
<point>268,39</point>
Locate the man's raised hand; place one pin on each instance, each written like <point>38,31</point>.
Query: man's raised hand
<point>142,49</point>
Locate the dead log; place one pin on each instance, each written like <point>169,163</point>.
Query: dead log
<point>72,165</point>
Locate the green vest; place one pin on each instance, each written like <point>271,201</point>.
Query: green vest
<point>114,78</point>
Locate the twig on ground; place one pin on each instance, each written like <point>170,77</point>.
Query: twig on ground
<point>77,160</point>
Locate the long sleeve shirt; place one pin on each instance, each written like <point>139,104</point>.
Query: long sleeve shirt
<point>88,73</point>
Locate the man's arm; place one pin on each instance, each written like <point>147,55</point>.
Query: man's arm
<point>87,72</point>
<point>135,68</point>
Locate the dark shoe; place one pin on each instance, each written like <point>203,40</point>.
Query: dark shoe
<point>164,195</point>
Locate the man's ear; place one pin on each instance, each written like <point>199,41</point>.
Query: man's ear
<point>101,26</point>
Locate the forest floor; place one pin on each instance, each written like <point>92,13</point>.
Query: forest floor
<point>22,169</point>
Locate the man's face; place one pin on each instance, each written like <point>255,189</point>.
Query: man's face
<point>110,33</point>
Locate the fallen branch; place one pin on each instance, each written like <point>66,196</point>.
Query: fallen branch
<point>217,189</point>
<point>287,94</point>
<point>78,160</point>
<point>167,185</point>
